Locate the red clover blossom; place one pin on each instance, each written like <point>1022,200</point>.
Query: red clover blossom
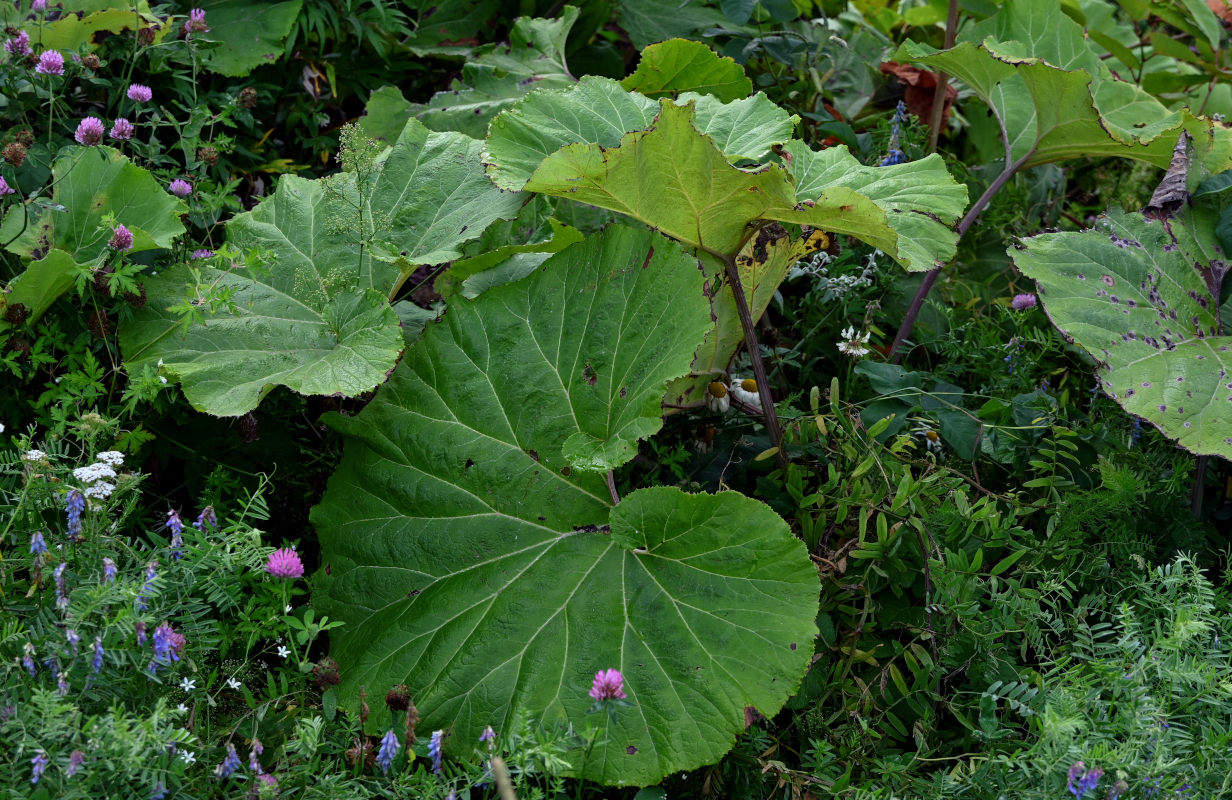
<point>89,132</point>
<point>50,63</point>
<point>285,563</point>
<point>389,749</point>
<point>122,130</point>
<point>196,22</point>
<point>139,93</point>
<point>180,187</point>
<point>19,45</point>
<point>203,254</point>
<point>608,685</point>
<point>1022,302</point>
<point>121,239</point>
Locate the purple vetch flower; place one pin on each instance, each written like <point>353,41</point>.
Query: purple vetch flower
<point>38,544</point>
<point>140,628</point>
<point>229,764</point>
<point>73,639</point>
<point>89,132</point>
<point>203,254</point>
<point>61,586</point>
<point>160,791</point>
<point>608,685</point>
<point>488,735</point>
<point>196,21</point>
<point>285,563</point>
<point>61,684</point>
<point>436,749</point>
<point>97,663</point>
<point>176,527</point>
<point>37,765</point>
<point>19,45</point>
<point>74,503</point>
<point>75,760</point>
<point>1080,780</point>
<point>50,62</point>
<point>1022,302</point>
<point>109,570</point>
<point>139,93</point>
<point>27,659</point>
<point>389,749</point>
<point>147,590</point>
<point>121,239</point>
<point>167,643</point>
<point>180,187</point>
<point>254,754</point>
<point>206,518</point>
<point>894,153</point>
<point>122,130</point>
<point>5,188</point>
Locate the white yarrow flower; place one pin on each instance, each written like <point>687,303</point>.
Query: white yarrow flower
<point>95,472</point>
<point>101,490</point>
<point>854,344</point>
<point>111,457</point>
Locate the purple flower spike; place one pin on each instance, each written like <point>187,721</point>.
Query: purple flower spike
<point>122,130</point>
<point>196,21</point>
<point>176,527</point>
<point>19,45</point>
<point>608,685</point>
<point>73,639</point>
<point>436,749</point>
<point>38,544</point>
<point>180,187</point>
<point>121,239</point>
<point>285,563</point>
<point>389,749</point>
<point>203,254</point>
<point>89,132</point>
<point>97,663</point>
<point>229,764</point>
<point>27,659</point>
<point>140,93</point>
<point>207,518</point>
<point>37,765</point>
<point>75,760</point>
<point>75,503</point>
<point>5,188</point>
<point>61,586</point>
<point>50,63</point>
<point>109,570</point>
<point>167,643</point>
<point>1022,302</point>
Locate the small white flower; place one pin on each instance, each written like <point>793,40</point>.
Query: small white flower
<point>853,344</point>
<point>287,610</point>
<point>187,756</point>
<point>1,427</point>
<point>95,472</point>
<point>102,490</point>
<point>162,379</point>
<point>182,708</point>
<point>746,391</point>
<point>717,399</point>
<point>112,457</point>
<point>188,684</point>
<point>234,684</point>
<point>33,456</point>
<point>160,363</point>
<point>283,652</point>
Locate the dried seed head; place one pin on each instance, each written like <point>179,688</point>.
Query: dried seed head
<point>14,153</point>
<point>208,154</point>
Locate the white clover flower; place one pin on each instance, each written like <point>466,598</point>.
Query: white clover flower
<point>187,756</point>
<point>188,684</point>
<point>234,684</point>
<point>101,490</point>
<point>95,472</point>
<point>717,399</point>
<point>113,458</point>
<point>854,344</point>
<point>746,391</point>
<point>283,652</point>
<point>33,456</point>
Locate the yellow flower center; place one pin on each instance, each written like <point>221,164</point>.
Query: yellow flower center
<point>749,385</point>
<point>717,389</point>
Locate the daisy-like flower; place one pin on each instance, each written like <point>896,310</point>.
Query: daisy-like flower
<point>122,130</point>
<point>140,93</point>
<point>234,684</point>
<point>746,391</point>
<point>188,684</point>
<point>717,398</point>
<point>89,132</point>
<point>608,685</point>
<point>180,187</point>
<point>854,344</point>
<point>50,63</point>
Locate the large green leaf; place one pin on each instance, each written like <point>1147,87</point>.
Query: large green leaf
<point>669,68</point>
<point>650,21</point>
<point>250,34</point>
<point>447,27</point>
<point>1132,293</point>
<point>675,179</point>
<point>1055,98</point>
<point>317,319</point>
<point>471,559</point>
<point>498,75</point>
<point>91,184</point>
<point>40,285</point>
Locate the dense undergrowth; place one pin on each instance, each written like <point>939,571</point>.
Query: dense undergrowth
<point>378,377</point>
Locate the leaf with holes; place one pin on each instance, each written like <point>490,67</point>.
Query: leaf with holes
<point>317,319</point>
<point>474,560</point>
<point>1142,298</point>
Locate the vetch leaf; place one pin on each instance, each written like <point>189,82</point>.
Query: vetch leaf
<point>1142,297</point>
<point>472,561</point>
<point>317,318</point>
